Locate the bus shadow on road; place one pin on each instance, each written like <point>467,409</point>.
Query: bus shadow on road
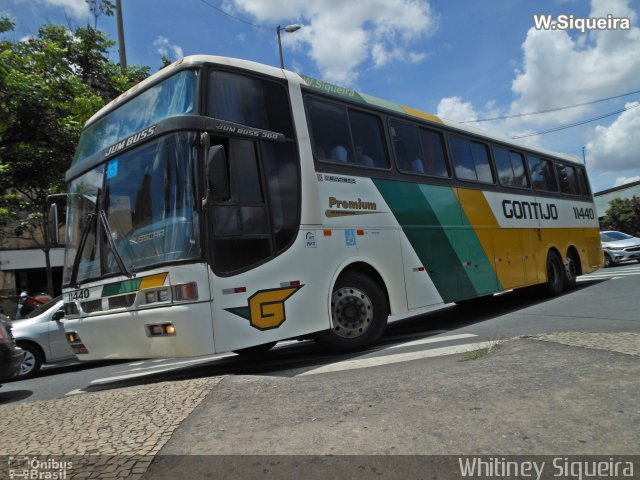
<point>306,355</point>
<point>452,316</point>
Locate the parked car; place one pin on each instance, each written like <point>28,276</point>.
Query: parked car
<point>10,355</point>
<point>41,335</point>
<point>619,247</point>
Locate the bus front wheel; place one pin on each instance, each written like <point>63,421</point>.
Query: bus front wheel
<point>359,311</point>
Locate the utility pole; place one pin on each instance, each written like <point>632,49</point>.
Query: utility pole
<point>121,50</point>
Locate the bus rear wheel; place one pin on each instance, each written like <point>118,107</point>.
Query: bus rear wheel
<point>359,311</point>
<point>555,274</point>
<point>571,270</point>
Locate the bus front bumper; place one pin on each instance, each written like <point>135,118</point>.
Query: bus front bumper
<point>183,330</point>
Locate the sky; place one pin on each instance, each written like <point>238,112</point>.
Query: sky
<point>463,60</point>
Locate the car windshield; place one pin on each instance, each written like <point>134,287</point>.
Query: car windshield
<point>147,201</point>
<point>613,236</point>
<point>43,308</point>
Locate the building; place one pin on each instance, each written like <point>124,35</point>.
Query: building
<point>603,198</point>
<point>23,268</point>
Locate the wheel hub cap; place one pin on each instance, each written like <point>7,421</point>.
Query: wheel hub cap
<point>351,312</point>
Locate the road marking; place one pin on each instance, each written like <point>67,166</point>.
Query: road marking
<point>77,391</point>
<point>396,358</point>
<point>424,341</point>
<point>141,372</point>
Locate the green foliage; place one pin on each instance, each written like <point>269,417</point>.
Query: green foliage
<point>50,85</point>
<point>623,215</point>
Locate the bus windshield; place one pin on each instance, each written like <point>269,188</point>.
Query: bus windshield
<point>148,196</point>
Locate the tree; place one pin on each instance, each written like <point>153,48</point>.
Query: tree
<point>50,85</point>
<point>623,215</point>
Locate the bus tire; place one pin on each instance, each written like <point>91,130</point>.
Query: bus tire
<point>555,274</point>
<point>359,311</point>
<point>571,270</point>
<point>256,350</point>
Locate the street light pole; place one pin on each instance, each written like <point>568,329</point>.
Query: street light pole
<point>289,29</point>
<point>121,49</point>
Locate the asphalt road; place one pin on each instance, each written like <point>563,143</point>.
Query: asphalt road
<point>605,301</point>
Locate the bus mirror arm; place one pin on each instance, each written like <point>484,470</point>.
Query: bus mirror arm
<point>52,219</point>
<point>216,175</point>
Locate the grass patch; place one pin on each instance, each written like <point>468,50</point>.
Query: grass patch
<point>475,354</point>
<point>484,351</point>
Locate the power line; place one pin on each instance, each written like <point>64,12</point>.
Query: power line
<point>517,115</point>
<point>235,18</point>
<point>582,122</point>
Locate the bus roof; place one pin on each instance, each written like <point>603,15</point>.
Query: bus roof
<point>327,89</point>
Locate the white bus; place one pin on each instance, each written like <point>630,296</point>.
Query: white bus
<point>223,205</point>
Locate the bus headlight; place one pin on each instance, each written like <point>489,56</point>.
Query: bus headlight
<point>157,295</point>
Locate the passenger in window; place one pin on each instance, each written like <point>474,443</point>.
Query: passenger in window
<point>417,166</point>
<point>363,159</point>
<point>339,153</point>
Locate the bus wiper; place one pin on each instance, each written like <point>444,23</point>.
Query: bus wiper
<point>83,240</point>
<point>105,225</point>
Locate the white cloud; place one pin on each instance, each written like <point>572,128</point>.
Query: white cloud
<point>561,68</point>
<point>164,47</point>
<point>454,108</point>
<point>342,36</point>
<point>624,180</point>
<point>75,8</point>
<point>616,147</point>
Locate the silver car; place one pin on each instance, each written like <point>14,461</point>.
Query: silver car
<point>41,335</point>
<point>619,247</point>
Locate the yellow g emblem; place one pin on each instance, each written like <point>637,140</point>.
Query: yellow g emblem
<point>266,307</point>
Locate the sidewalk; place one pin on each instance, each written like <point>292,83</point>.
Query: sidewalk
<point>557,394</point>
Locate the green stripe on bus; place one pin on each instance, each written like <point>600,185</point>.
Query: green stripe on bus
<point>118,288</point>
<point>430,217</point>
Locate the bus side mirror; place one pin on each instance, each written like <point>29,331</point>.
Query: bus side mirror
<point>53,224</point>
<point>217,175</point>
<point>54,238</point>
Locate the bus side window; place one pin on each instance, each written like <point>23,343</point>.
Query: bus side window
<point>368,140</point>
<point>433,147</point>
<point>249,101</point>
<point>329,128</point>
<point>542,174</point>
<point>568,179</point>
<point>584,183</point>
<point>406,146</point>
<point>471,160</point>
<point>510,167</point>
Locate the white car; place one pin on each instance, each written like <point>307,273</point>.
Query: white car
<point>41,335</point>
<point>619,247</point>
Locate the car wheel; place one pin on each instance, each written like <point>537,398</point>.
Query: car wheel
<point>555,274</point>
<point>359,312</point>
<point>31,362</point>
<point>607,261</point>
